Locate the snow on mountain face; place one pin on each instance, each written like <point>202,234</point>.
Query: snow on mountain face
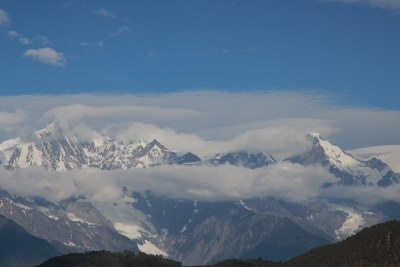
<point>343,165</point>
<point>60,152</point>
<point>244,159</point>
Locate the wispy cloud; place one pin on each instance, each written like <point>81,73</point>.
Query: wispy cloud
<point>121,30</point>
<point>4,18</point>
<point>99,44</point>
<point>386,4</point>
<point>43,40</point>
<point>225,50</point>
<point>251,49</point>
<point>21,38</point>
<point>40,39</point>
<point>104,13</point>
<point>67,4</point>
<point>46,55</point>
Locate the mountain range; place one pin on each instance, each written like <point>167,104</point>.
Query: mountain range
<point>194,232</point>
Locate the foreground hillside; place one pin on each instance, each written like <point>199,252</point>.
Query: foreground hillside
<point>378,245</point>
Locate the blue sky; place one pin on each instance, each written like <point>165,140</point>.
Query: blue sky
<point>345,48</point>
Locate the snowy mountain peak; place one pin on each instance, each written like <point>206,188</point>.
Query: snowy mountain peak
<point>314,135</point>
<point>50,130</point>
<point>56,150</point>
<point>343,165</point>
<point>155,145</point>
<point>243,158</point>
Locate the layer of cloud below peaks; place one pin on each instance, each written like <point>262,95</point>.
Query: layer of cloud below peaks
<point>285,181</point>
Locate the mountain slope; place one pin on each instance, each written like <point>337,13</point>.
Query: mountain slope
<point>205,232</point>
<point>72,224</point>
<point>18,248</point>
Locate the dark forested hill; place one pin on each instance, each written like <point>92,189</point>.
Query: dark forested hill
<point>378,245</point>
<point>109,259</point>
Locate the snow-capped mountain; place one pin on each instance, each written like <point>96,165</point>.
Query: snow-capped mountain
<point>347,168</point>
<point>186,230</point>
<point>55,150</point>
<point>243,159</point>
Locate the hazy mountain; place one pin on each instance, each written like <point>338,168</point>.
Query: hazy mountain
<point>73,225</point>
<point>18,248</point>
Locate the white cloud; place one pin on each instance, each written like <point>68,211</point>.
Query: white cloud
<point>12,118</point>
<point>22,39</point>
<point>281,141</point>
<point>291,182</point>
<point>120,31</point>
<point>287,181</point>
<point>104,13</point>
<point>386,4</point>
<point>4,18</point>
<point>71,114</point>
<point>46,55</point>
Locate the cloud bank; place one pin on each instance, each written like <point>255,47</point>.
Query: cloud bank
<point>208,121</point>
<point>287,181</point>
